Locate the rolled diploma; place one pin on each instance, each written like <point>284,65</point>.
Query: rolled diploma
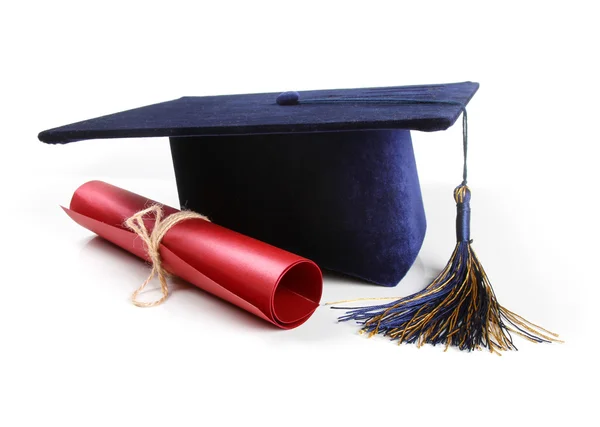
<point>266,281</point>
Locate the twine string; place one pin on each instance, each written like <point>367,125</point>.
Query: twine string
<point>152,242</point>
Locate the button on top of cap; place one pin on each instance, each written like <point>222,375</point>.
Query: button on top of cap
<point>288,98</point>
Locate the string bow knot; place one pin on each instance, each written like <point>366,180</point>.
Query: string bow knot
<point>152,242</point>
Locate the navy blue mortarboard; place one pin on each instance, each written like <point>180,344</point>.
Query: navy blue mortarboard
<point>336,184</point>
<point>329,175</point>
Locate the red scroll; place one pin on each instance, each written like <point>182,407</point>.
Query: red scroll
<point>271,283</point>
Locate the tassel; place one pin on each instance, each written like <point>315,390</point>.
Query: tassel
<point>459,308</point>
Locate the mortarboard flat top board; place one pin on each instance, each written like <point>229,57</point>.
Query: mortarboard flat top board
<point>260,114</point>
<point>331,177</point>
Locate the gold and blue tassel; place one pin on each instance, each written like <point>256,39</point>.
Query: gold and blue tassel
<point>459,308</point>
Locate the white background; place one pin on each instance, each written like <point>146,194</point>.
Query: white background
<point>75,352</point>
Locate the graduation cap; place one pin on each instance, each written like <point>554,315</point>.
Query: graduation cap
<point>329,175</point>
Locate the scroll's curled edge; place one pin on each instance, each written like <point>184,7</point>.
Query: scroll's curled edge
<point>271,283</point>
